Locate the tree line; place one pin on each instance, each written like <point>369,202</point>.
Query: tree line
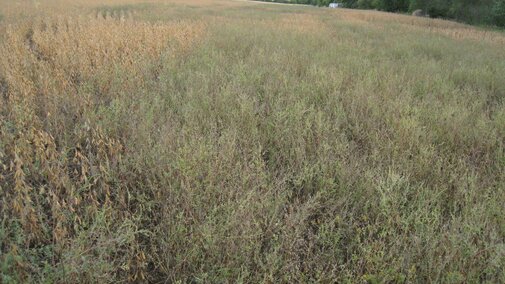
<point>476,12</point>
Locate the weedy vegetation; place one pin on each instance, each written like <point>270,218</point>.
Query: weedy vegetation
<point>226,141</point>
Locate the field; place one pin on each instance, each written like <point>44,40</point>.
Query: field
<point>229,141</point>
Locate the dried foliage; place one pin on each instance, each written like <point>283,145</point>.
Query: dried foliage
<point>58,169</point>
<point>227,141</point>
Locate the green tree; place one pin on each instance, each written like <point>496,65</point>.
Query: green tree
<point>391,5</point>
<point>350,3</point>
<point>364,4</point>
<point>499,13</point>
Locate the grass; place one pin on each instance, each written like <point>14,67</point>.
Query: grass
<point>227,141</point>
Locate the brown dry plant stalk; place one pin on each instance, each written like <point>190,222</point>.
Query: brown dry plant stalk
<point>45,65</point>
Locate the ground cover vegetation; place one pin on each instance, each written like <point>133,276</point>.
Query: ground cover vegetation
<point>226,141</point>
<point>482,12</point>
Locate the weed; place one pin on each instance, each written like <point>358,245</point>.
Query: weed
<point>259,143</point>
